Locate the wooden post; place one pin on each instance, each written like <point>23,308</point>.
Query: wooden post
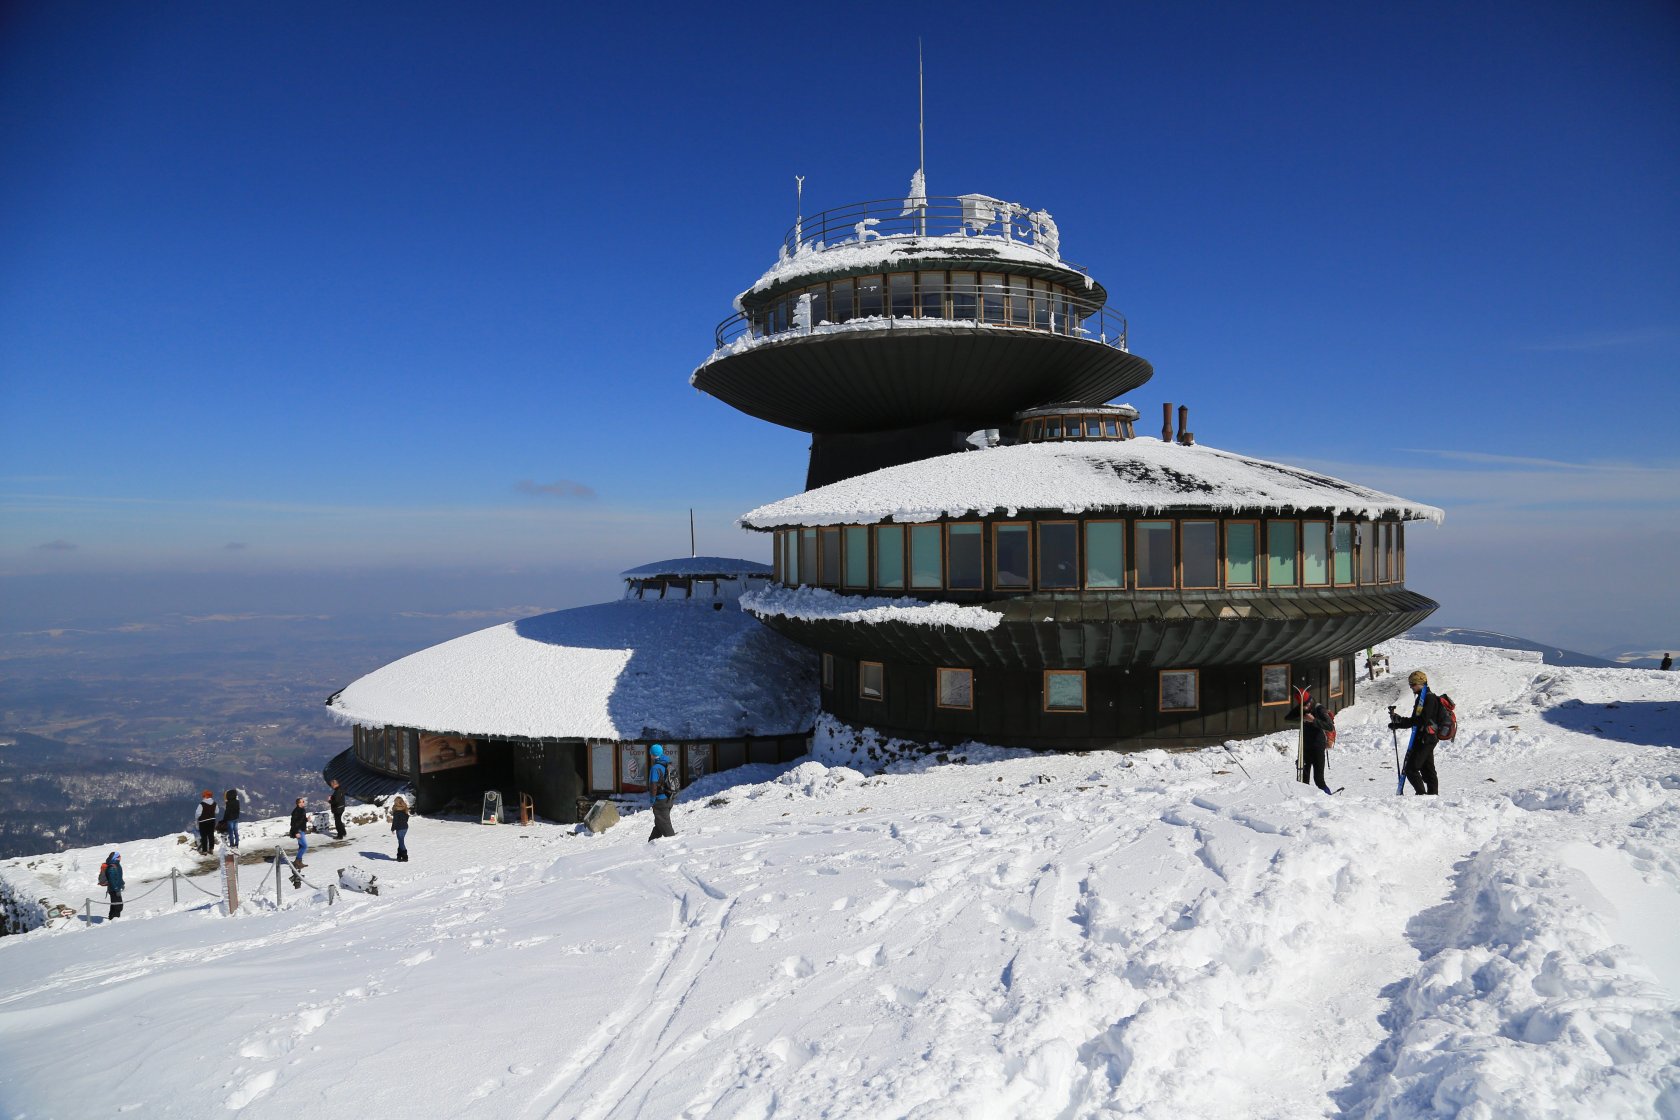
<point>230,878</point>
<point>175,885</point>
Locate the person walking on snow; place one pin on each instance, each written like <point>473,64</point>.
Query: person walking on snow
<point>1314,725</point>
<point>230,817</point>
<point>399,825</point>
<point>660,799</point>
<point>111,878</point>
<point>1667,662</point>
<point>300,830</point>
<point>336,804</point>
<point>206,823</point>
<point>1419,767</point>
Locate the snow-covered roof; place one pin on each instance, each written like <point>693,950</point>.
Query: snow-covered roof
<point>1134,476</point>
<point>818,604</point>
<point>619,670</point>
<point>698,566</point>
<point>882,252</point>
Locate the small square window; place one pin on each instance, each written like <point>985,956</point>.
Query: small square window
<point>1064,690</point>
<point>1274,685</point>
<point>828,671</point>
<point>956,688</point>
<point>1179,690</point>
<point>872,680</point>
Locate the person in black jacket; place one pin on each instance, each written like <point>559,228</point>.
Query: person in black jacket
<point>336,804</point>
<point>230,817</point>
<point>206,823</point>
<point>399,825</point>
<point>114,883</point>
<point>1419,767</point>
<point>1314,724</point>
<point>300,830</point>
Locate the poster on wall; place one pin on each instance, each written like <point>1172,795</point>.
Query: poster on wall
<point>632,767</point>
<point>446,752</point>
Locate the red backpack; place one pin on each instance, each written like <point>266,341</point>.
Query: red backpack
<point>1447,727</point>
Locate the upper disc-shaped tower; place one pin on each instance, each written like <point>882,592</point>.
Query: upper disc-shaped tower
<point>949,314</point>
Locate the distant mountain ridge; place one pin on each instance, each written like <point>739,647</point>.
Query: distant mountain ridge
<point>1552,655</point>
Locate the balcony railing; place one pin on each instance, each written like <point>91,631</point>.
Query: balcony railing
<point>974,215</point>
<point>1025,307</point>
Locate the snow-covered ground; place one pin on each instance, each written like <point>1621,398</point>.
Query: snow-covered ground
<point>998,935</point>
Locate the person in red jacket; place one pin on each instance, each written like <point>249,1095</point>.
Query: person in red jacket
<point>1419,768</point>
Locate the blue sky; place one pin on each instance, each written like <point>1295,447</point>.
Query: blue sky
<point>347,289</point>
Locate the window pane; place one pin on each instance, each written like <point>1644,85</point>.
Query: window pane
<point>841,293</point>
<point>1053,428</point>
<point>963,295</point>
<point>1111,429</point>
<point>870,296</point>
<point>871,680</point>
<point>1064,691</point>
<point>1178,690</point>
<point>1240,547</point>
<point>991,297</point>
<point>1280,554</point>
<point>903,288</point>
<point>1058,554</point>
<point>808,556</point>
<point>1012,555</point>
<point>819,313</point>
<point>925,560</point>
<point>956,688</point>
<point>829,573</point>
<point>1274,684</point>
<point>1093,428</point>
<point>889,556</point>
<point>1367,554</point>
<point>1105,554</point>
<point>932,294</point>
<point>697,761</point>
<point>1343,537</point>
<point>1020,301</point>
<point>601,766</point>
<point>1315,553</point>
<point>1336,677</point>
<point>1075,428</point>
<point>1155,553</point>
<point>1200,542</point>
<point>964,565</point>
<point>857,556</point>
<point>1385,558</point>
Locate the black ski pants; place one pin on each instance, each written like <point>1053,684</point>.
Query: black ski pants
<point>116,903</point>
<point>207,836</point>
<point>661,820</point>
<point>1315,767</point>
<point>338,820</point>
<point>1420,769</point>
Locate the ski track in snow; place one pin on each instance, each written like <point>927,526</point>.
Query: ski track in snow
<point>1061,936</point>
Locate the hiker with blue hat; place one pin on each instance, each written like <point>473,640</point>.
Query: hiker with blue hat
<point>111,878</point>
<point>662,790</point>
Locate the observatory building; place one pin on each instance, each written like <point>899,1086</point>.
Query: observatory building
<point>986,547</point>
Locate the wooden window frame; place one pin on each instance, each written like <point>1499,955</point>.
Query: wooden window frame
<point>1038,554</point>
<point>1218,555</point>
<point>1085,555</point>
<point>1296,566</point>
<point>1259,552</point>
<point>1288,668</point>
<point>1160,687</point>
<point>939,690</point>
<point>863,695</point>
<point>981,526</point>
<point>1084,692</point>
<point>996,584</point>
<point>1172,537</point>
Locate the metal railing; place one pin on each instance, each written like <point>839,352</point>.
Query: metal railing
<point>1003,306</point>
<point>974,215</point>
<point>283,870</point>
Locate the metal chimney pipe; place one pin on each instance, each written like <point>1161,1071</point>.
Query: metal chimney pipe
<point>1184,424</point>
<point>1166,422</point>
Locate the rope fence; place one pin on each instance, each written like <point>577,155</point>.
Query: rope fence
<point>280,866</point>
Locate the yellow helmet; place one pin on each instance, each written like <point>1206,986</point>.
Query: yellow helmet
<point>1418,677</point>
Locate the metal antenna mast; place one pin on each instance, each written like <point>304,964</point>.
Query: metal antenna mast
<point>691,532</point>
<point>921,115</point>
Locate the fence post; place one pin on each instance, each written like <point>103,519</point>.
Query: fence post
<point>277,876</point>
<point>175,885</point>
<point>87,911</point>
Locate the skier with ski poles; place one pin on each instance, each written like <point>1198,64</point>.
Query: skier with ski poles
<point>1317,725</point>
<point>1419,768</point>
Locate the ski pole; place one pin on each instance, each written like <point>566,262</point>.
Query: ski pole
<point>1238,761</point>
<point>1399,775</point>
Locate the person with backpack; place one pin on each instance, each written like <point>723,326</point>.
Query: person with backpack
<point>300,832</point>
<point>1319,728</point>
<point>230,817</point>
<point>399,825</point>
<point>336,804</point>
<point>1426,722</point>
<point>662,790</point>
<point>206,823</point>
<point>111,878</point>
